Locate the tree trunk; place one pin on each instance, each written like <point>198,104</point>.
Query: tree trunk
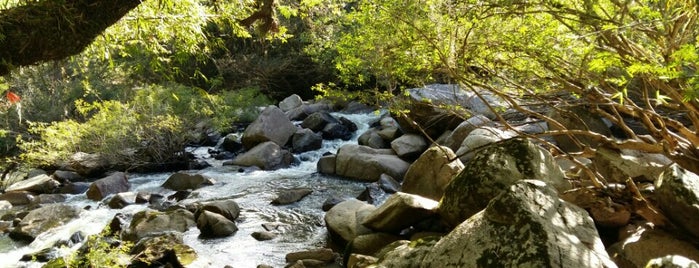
<point>54,29</point>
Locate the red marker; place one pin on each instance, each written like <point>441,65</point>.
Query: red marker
<point>12,97</point>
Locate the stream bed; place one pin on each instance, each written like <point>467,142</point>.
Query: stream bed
<point>301,224</point>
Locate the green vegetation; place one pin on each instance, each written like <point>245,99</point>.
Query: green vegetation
<point>141,89</point>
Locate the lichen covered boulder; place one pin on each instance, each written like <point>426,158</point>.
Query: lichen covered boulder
<point>494,169</point>
<point>432,172</point>
<point>400,211</point>
<point>678,197</point>
<point>43,219</point>
<point>112,184</point>
<point>149,222</point>
<point>527,225</point>
<point>344,220</point>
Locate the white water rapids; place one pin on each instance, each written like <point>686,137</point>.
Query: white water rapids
<point>302,224</point>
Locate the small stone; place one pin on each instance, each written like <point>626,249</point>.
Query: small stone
<point>263,236</point>
<point>291,196</point>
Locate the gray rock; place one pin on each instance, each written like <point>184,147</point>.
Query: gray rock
<point>183,181</point>
<point>306,140</point>
<point>321,254</point>
<point>88,165</point>
<point>577,118</point>
<point>43,219</point>
<point>478,139</point>
<point>67,176</point>
<point>372,139</point>
<point>370,244</point>
<point>112,184</point>
<point>494,169</point>
<point>289,196</point>
<point>677,192</point>
<point>361,261</point>
<point>334,131</point>
<point>406,254</point>
<point>40,184</point>
<point>150,223</point>
<point>457,136</point>
<point>409,146</point>
<point>400,211</point>
<point>122,200</point>
<point>74,188</point>
<point>301,112</point>
<point>263,236</point>
<point>232,142</point>
<point>371,194</point>
<point>389,184</point>
<point>5,205</point>
<point>267,156</point>
<point>389,134</point>
<point>432,172</point>
<point>215,225</point>
<point>344,220</point>
<point>317,121</point>
<point>290,103</point>
<point>227,208</point>
<point>672,261</point>
<point>326,164</point>
<point>18,198</point>
<point>479,104</point>
<point>617,166</point>
<point>367,164</point>
<point>271,125</point>
<point>526,225</point>
<point>49,199</point>
<point>646,244</point>
<point>425,111</point>
<point>331,202</point>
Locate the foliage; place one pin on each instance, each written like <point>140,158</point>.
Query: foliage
<point>101,251</point>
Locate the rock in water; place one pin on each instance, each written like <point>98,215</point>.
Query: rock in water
<point>215,225</point>
<point>43,219</point>
<point>266,155</point>
<point>271,125</point>
<point>527,225</point>
<point>367,164</point>
<point>166,249</point>
<point>494,169</point>
<point>40,184</point>
<point>183,181</point>
<point>112,184</point>
<point>149,222</point>
<point>285,197</point>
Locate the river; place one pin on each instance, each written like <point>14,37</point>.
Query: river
<point>301,224</point>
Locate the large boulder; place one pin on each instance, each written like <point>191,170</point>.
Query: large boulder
<point>478,139</point>
<point>215,225</point>
<point>406,254</point>
<point>432,172</point>
<point>678,196</point>
<point>40,184</point>
<point>494,169</point>
<point>149,223</point>
<point>400,211</point>
<point>457,136</point>
<point>618,165</point>
<point>271,125</point>
<point>426,112</point>
<point>344,220</point>
<point>372,139</point>
<point>409,146</point>
<point>306,140</point>
<point>367,164</point>
<point>317,121</point>
<point>301,112</point>
<point>486,104</point>
<point>290,103</point>
<point>527,225</point>
<point>43,219</point>
<point>227,208</point>
<point>182,181</point>
<point>88,165</point>
<point>326,164</point>
<point>645,244</point>
<point>267,155</point>
<point>232,142</point>
<point>577,118</point>
<point>112,184</point>
<point>166,249</point>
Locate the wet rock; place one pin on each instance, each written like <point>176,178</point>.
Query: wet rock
<point>167,249</point>
<point>409,146</point>
<point>400,211</point>
<point>267,156</point>
<point>577,118</point>
<point>355,107</point>
<point>478,139</point>
<point>331,202</point>
<point>149,223</point>
<point>371,193</point>
<point>494,169</point>
<point>271,125</point>
<point>672,261</point>
<point>118,224</point>
<point>306,140</point>
<point>183,181</point>
<point>112,184</point>
<point>526,225</point>
<point>456,137</point>
<point>74,188</point>
<point>40,184</point>
<point>389,184</point>
<point>18,198</point>
<point>227,208</point>
<point>232,143</point>
<point>215,225</point>
<point>367,164</point>
<point>290,103</point>
<point>43,255</point>
<point>43,219</point>
<point>371,138</point>
<point>645,244</point>
<point>289,196</point>
<point>370,244</point>
<point>67,176</point>
<point>351,126</point>
<point>317,121</point>
<point>49,199</point>
<point>431,173</point>
<point>344,220</point>
<point>178,196</point>
<point>677,192</point>
<point>334,131</point>
<point>88,165</point>
<point>326,164</point>
<point>122,200</point>
<point>263,236</point>
<point>321,254</point>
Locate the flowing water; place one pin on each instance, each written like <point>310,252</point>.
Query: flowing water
<point>301,224</point>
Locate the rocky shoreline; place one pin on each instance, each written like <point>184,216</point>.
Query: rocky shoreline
<point>480,195</point>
